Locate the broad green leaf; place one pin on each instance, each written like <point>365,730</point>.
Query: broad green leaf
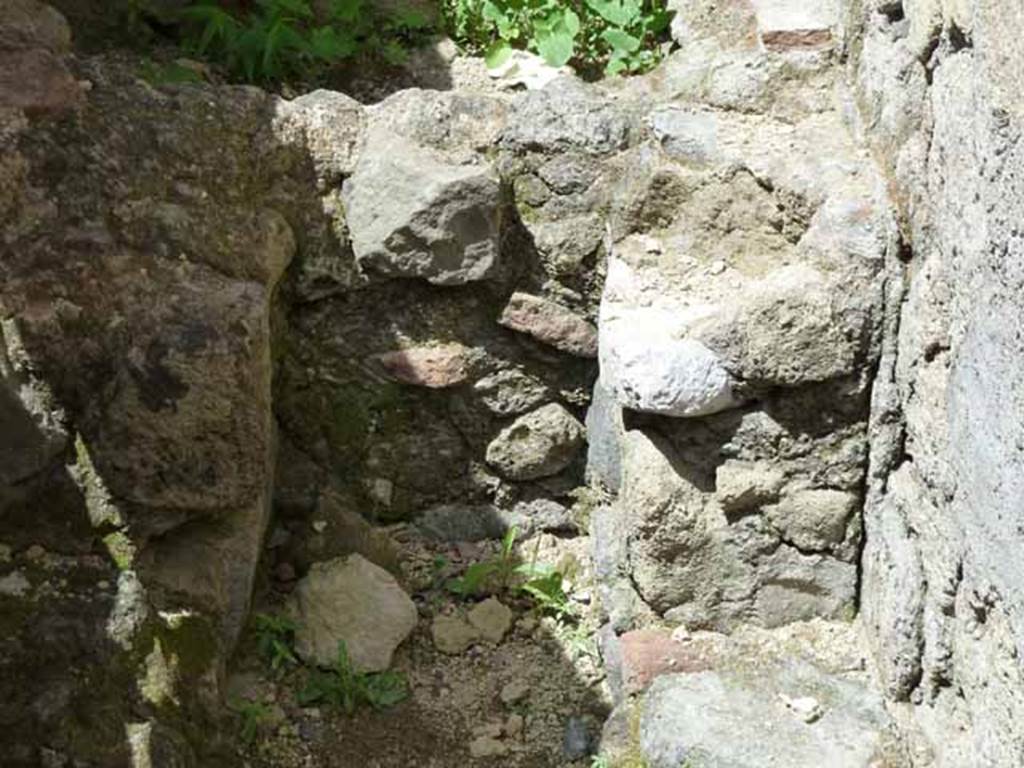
<point>615,67</point>
<point>659,20</point>
<point>621,40</point>
<point>492,12</point>
<point>556,47</point>
<point>328,44</point>
<point>497,54</point>
<point>571,21</point>
<point>613,11</point>
<point>505,22</point>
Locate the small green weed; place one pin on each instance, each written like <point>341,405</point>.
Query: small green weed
<point>544,584</point>
<point>253,714</point>
<point>285,39</point>
<point>495,574</point>
<point>343,688</point>
<point>618,36</point>
<point>275,640</point>
<point>473,579</point>
<point>599,761</point>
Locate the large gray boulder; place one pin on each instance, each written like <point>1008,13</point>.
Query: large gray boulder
<point>412,213</point>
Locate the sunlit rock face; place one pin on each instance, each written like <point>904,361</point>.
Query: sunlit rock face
<point>740,324</point>
<point>938,84</point>
<point>141,251</point>
<point>766,296</point>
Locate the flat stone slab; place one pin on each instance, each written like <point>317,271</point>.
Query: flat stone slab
<point>728,719</point>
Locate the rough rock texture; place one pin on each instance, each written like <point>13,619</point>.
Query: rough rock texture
<point>539,444</point>
<point>351,600</point>
<point>740,325</point>
<point>712,719</point>
<point>796,697</point>
<point>392,388</point>
<point>795,245</point>
<point>143,235</point>
<point>487,621</point>
<point>412,214</point>
<point>938,86</point>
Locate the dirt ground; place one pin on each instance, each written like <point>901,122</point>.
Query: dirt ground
<point>454,715</point>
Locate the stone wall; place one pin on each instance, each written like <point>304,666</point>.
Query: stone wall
<point>939,90</point>
<point>739,330</point>
<point>793,251</point>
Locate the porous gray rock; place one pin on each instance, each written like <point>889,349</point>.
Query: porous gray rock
<point>718,719</point>
<point>464,522</point>
<point>650,369</point>
<point>33,24</point>
<point>742,486</point>
<point>740,323</point>
<point>814,519</point>
<point>350,600</point>
<point>412,213</point>
<point>510,392</point>
<point>326,124</point>
<point>565,115</point>
<point>938,90</point>
<point>604,436</point>
<point>539,444</point>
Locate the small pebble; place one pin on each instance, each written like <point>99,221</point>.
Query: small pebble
<point>526,625</point>
<point>681,634</point>
<point>485,746</point>
<point>806,708</point>
<point>514,692</point>
<point>514,725</point>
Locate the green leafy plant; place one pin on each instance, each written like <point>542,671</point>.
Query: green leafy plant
<point>285,39</point>
<point>253,714</point>
<point>275,640</point>
<point>599,761</point>
<point>544,584</point>
<point>495,574</point>
<point>473,579</point>
<point>344,688</point>
<point>618,36</point>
